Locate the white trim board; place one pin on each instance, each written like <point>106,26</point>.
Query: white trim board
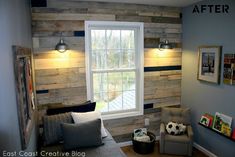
<point>204,150</point>
<point>195,145</point>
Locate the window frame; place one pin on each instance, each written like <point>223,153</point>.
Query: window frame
<point>139,64</point>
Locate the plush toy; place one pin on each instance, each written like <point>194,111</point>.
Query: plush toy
<point>175,128</point>
<point>144,138</point>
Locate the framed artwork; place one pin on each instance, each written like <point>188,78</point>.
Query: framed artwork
<point>229,69</point>
<point>209,63</point>
<point>221,121</point>
<point>24,91</point>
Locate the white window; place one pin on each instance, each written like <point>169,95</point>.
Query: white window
<point>114,67</point>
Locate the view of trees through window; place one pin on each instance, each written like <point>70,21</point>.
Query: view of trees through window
<point>113,69</point>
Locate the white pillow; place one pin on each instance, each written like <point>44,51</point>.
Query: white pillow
<point>81,117</point>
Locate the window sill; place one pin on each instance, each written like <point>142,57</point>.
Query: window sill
<point>122,115</point>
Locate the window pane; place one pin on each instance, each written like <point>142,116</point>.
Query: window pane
<point>128,59</point>
<point>98,59</point>
<point>97,39</point>
<point>113,39</point>
<point>129,100</point>
<point>115,81</point>
<point>113,59</point>
<point>100,82</point>
<point>115,101</point>
<point>101,101</point>
<point>127,38</point>
<point>128,80</point>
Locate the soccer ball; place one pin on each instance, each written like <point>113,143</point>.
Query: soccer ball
<point>182,128</point>
<point>173,128</point>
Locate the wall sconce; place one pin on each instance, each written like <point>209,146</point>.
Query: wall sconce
<point>165,45</point>
<point>61,46</point>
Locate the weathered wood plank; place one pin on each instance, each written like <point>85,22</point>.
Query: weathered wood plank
<point>64,92</point>
<point>133,18</point>
<point>63,100</point>
<point>163,30</point>
<point>160,14</point>
<point>55,54</point>
<point>52,63</point>
<point>151,34</point>
<point>50,42</point>
<point>163,101</point>
<point>151,42</point>
<point>150,62</point>
<point>63,16</point>
<point>53,33</point>
<point>52,50</point>
<point>117,11</point>
<point>59,10</point>
<point>59,86</point>
<point>57,25</point>
<point>162,25</point>
<point>106,5</point>
<point>68,16</point>
<point>176,41</point>
<point>155,53</point>
<point>72,77</point>
<point>166,20</point>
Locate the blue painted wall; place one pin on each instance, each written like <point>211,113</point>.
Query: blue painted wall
<point>15,29</point>
<point>208,29</point>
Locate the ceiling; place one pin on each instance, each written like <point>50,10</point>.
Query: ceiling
<point>173,3</point>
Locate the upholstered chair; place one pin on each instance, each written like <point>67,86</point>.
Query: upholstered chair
<point>176,144</point>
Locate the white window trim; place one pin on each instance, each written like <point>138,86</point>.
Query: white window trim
<point>139,66</point>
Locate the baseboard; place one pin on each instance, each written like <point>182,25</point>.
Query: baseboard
<point>204,150</point>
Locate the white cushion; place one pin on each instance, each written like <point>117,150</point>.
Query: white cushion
<point>81,117</point>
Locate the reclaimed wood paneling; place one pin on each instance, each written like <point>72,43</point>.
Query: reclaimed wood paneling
<point>60,78</point>
<point>123,127</point>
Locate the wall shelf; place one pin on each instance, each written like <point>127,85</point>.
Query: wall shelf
<point>230,138</point>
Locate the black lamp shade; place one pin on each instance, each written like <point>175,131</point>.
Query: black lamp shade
<point>61,46</point>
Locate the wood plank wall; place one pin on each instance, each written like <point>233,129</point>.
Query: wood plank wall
<point>60,78</point>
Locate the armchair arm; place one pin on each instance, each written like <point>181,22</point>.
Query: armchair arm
<point>162,129</point>
<point>162,137</point>
<point>190,131</point>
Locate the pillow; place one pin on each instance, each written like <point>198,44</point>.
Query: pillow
<point>52,129</point>
<point>82,135</point>
<point>83,107</point>
<point>175,128</point>
<point>88,116</point>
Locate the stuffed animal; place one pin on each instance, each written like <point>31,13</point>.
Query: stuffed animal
<point>175,128</point>
<point>144,138</point>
